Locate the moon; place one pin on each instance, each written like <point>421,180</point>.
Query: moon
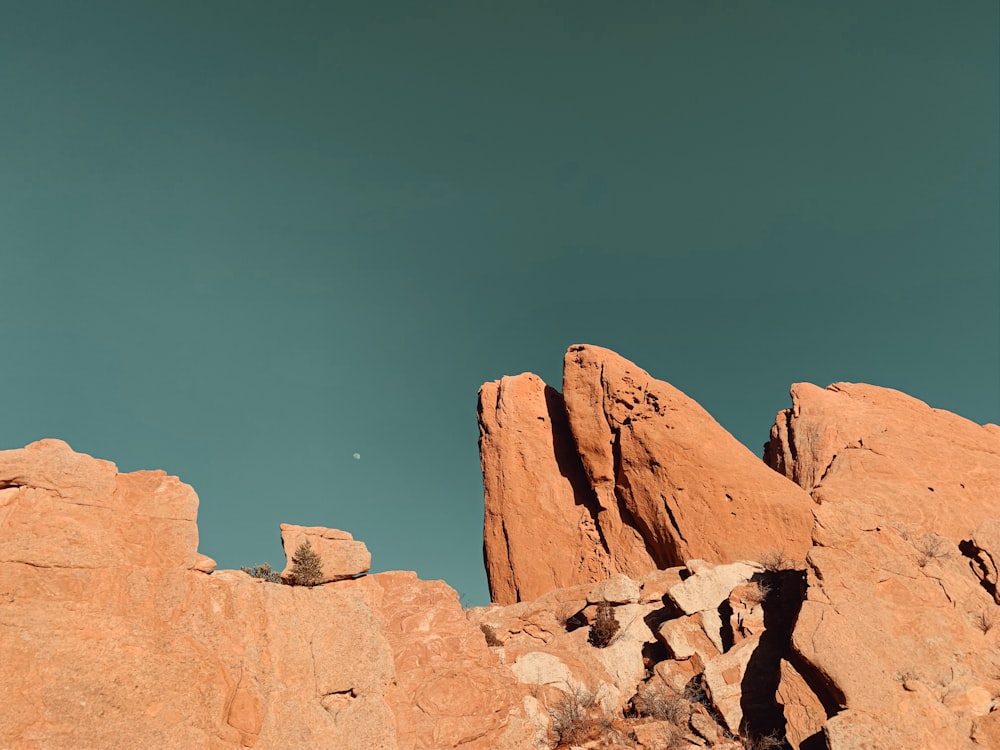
<point>356,456</point>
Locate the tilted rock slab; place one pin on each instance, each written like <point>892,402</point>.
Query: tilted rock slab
<point>540,530</point>
<point>622,473</point>
<point>897,620</point>
<point>111,636</point>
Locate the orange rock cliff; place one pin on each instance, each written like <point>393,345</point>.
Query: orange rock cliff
<point>841,593</point>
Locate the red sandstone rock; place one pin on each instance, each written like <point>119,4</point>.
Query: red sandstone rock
<point>804,713</point>
<point>984,551</point>
<point>341,556</point>
<point>68,510</point>
<point>539,526</point>
<point>623,473</point>
<point>895,621</point>
<point>448,689</point>
<point>921,469</point>
<point>709,586</point>
<point>113,636</point>
<point>671,482</point>
<point>115,632</point>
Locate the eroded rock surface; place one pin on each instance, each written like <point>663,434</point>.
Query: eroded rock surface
<point>920,469</point>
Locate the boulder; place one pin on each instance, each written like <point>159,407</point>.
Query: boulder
<point>685,637</point>
<point>618,589</point>
<point>707,588</point>
<point>724,683</point>
<point>341,556</point>
<point>804,713</point>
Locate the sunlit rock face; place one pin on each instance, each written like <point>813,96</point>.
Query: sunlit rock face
<point>620,473</point>
<point>116,632</point>
<point>113,635</point>
<point>901,600</point>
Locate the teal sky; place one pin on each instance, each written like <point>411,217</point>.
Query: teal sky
<point>242,241</point>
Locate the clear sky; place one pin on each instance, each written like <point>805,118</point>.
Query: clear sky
<point>242,241</point>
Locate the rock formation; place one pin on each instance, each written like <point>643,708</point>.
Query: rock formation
<point>342,557</point>
<point>621,473</point>
<point>900,609</point>
<point>880,628</point>
<point>112,634</point>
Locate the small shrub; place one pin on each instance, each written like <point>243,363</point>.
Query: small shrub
<point>491,635</point>
<point>264,572</point>
<point>774,561</point>
<point>906,676</point>
<point>605,626</point>
<point>307,567</point>
<point>754,595</point>
<point>763,742</point>
<point>930,547</point>
<point>578,718</point>
<point>572,717</point>
<point>984,620</point>
<point>660,702</point>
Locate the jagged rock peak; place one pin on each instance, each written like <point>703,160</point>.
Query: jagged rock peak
<point>620,473</point>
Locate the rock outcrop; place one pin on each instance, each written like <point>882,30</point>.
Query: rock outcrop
<point>541,527</point>
<point>920,469</point>
<point>622,473</point>
<point>880,628</point>
<point>900,606</point>
<point>111,634</point>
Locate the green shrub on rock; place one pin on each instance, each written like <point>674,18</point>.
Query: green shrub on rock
<point>605,626</point>
<point>307,567</point>
<point>264,572</point>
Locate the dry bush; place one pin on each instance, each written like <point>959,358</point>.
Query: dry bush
<point>757,593</point>
<point>660,702</point>
<point>577,718</point>
<point>984,619</point>
<point>307,567</point>
<point>491,635</point>
<point>605,626</point>
<point>774,561</point>
<point>930,547</point>
<point>764,742</point>
<point>264,572</point>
